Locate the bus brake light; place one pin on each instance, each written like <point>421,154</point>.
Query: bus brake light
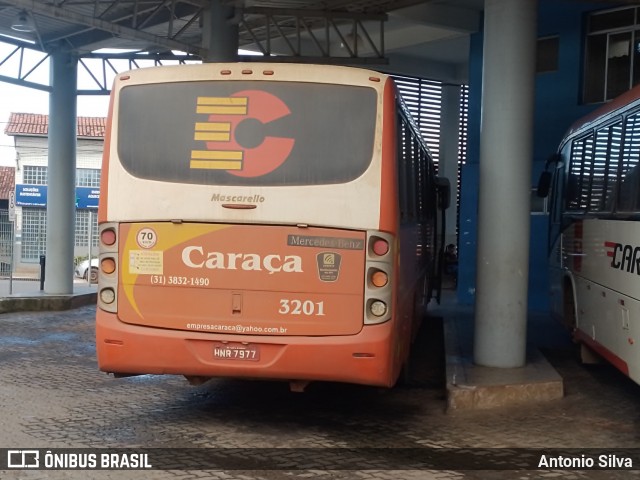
<point>380,247</point>
<point>108,237</point>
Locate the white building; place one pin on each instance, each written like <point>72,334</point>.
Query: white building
<point>30,133</point>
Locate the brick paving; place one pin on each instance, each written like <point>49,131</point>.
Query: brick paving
<point>53,396</point>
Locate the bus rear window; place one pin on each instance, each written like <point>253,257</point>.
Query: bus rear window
<point>246,133</point>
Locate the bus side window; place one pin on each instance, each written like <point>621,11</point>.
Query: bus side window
<point>629,188</point>
<point>572,188</point>
<point>628,199</point>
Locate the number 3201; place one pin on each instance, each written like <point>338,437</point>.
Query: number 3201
<point>301,307</point>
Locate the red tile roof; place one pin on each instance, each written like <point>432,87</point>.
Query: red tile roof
<point>7,181</point>
<point>38,125</point>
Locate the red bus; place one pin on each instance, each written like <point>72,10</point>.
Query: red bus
<point>272,221</point>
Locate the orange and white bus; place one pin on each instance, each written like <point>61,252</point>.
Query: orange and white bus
<point>594,186</point>
<point>271,221</point>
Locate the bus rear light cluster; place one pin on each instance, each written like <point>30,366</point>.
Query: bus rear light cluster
<point>108,278</point>
<point>379,277</point>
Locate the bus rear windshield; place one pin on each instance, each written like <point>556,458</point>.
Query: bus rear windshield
<point>246,133</point>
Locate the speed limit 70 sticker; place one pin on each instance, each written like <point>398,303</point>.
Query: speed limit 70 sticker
<point>146,238</point>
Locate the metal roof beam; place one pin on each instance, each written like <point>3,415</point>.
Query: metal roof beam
<point>88,39</point>
<point>59,13</point>
<point>314,35</point>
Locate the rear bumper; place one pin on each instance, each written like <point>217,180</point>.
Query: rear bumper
<point>366,358</point>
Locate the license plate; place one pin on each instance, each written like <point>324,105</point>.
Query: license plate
<point>224,351</point>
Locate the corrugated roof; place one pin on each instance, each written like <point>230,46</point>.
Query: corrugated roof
<point>38,125</point>
<point>7,181</point>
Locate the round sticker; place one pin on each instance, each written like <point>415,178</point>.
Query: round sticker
<point>147,238</point>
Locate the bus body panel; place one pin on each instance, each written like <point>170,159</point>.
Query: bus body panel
<point>366,358</point>
<point>242,278</point>
<point>606,288</point>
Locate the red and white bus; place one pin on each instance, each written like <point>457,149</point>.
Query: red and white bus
<point>594,235</point>
<point>272,221</point>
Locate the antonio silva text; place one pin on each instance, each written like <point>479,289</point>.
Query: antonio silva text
<point>585,461</point>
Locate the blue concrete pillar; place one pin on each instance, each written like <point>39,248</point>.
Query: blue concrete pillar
<point>61,174</point>
<point>220,32</point>
<point>506,150</point>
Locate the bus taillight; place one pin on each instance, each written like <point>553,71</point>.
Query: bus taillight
<point>108,265</point>
<point>380,247</point>
<point>378,308</point>
<point>108,236</point>
<point>379,278</point>
<point>107,296</point>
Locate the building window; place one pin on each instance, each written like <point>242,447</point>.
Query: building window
<point>83,219</point>
<point>612,62</point>
<point>87,177</point>
<point>32,175</point>
<point>34,234</point>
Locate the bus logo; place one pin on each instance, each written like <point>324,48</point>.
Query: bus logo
<point>233,134</point>
<point>623,257</point>
<point>328,266</point>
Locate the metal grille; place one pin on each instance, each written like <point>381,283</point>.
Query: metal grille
<point>34,234</point>
<point>463,136</point>
<point>6,242</point>
<point>463,130</point>
<point>424,100</point>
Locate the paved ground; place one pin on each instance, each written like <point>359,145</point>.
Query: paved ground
<point>52,396</point>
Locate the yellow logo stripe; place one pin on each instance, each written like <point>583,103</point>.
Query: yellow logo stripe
<point>221,110</point>
<point>212,136</point>
<point>216,155</point>
<point>213,127</point>
<point>216,164</point>
<point>222,100</point>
